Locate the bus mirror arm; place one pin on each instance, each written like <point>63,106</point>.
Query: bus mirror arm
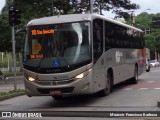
<point>24,30</point>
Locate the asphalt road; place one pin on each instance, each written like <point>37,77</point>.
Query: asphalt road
<point>141,97</point>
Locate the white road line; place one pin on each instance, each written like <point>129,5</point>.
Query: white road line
<point>155,70</point>
<point>127,89</point>
<point>157,88</point>
<point>149,81</point>
<point>143,88</point>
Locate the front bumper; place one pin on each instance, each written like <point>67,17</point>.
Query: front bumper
<point>67,87</point>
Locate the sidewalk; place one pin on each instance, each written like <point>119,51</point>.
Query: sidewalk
<point>8,84</point>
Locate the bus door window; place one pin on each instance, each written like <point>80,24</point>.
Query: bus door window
<point>97,38</point>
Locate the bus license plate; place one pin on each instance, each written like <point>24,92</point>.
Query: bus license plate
<point>55,92</point>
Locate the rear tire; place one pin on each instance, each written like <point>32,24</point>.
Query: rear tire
<point>148,69</point>
<point>134,80</point>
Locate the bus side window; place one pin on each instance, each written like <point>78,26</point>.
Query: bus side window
<point>97,38</point>
<point>108,36</point>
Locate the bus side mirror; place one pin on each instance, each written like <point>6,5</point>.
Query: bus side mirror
<point>20,38</point>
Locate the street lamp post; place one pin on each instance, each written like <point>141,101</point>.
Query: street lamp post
<point>14,55</point>
<point>133,17</point>
<point>91,6</point>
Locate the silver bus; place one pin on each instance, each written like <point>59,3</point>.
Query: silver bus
<point>80,54</point>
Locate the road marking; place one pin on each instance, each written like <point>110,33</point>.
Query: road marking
<point>150,81</point>
<point>155,70</point>
<point>143,88</point>
<point>127,89</point>
<point>157,88</point>
<point>140,89</point>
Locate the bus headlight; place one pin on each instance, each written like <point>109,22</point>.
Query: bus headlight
<point>31,79</point>
<point>80,76</point>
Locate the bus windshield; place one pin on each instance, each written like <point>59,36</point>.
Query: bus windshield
<point>57,46</point>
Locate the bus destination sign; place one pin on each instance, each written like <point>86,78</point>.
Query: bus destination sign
<point>42,32</point>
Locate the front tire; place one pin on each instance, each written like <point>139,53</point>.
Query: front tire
<point>108,88</point>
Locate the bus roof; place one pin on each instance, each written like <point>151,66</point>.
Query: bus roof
<point>74,18</point>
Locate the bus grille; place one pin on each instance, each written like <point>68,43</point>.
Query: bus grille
<point>60,82</point>
<point>63,90</point>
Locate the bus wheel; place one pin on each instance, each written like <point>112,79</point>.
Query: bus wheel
<point>108,88</point>
<point>134,80</point>
<point>148,69</point>
<point>57,97</point>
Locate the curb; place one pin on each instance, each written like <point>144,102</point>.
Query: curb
<point>16,77</point>
<point>11,96</point>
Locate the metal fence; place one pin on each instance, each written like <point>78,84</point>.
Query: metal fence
<point>7,69</point>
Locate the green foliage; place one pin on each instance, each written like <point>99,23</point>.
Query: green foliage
<point>12,92</point>
<point>5,33</point>
<point>144,20</point>
<point>4,62</point>
<point>36,9</point>
<point>31,9</point>
<point>9,74</point>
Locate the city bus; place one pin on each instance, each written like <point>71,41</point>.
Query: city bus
<point>79,54</point>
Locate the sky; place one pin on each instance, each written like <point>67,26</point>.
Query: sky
<point>2,3</point>
<point>153,5</point>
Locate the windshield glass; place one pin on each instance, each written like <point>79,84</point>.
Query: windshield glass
<point>60,45</point>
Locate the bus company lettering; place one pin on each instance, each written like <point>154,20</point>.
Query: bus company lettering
<point>118,56</point>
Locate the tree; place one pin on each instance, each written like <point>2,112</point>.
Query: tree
<point>35,8</point>
<point>144,20</point>
<point>79,6</point>
<point>5,35</point>
<point>116,6</point>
